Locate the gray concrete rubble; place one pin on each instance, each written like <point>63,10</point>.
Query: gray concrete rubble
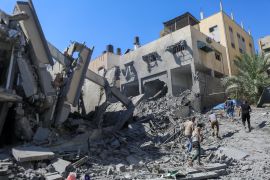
<point>152,146</point>
<point>36,97</point>
<point>53,123</point>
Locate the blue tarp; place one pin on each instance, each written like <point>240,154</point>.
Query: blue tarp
<point>222,105</point>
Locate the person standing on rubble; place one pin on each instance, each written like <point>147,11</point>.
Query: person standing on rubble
<point>245,113</point>
<point>229,108</point>
<point>197,138</point>
<point>214,124</point>
<point>189,127</point>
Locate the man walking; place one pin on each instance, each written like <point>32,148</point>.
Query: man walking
<point>229,107</point>
<point>197,138</point>
<point>189,127</point>
<point>245,112</point>
<point>214,124</point>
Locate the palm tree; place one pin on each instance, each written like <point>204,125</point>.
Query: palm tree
<point>251,79</point>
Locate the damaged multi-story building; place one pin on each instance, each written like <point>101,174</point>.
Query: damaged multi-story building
<point>39,85</point>
<point>190,54</point>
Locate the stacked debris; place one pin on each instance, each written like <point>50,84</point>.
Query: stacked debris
<point>150,146</point>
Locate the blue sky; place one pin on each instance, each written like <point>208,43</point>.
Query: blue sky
<point>102,22</point>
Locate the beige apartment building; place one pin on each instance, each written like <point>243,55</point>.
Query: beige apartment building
<point>190,54</point>
<point>223,29</point>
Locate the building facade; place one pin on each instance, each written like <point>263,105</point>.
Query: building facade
<point>182,59</point>
<point>190,54</point>
<point>228,33</point>
<point>264,45</point>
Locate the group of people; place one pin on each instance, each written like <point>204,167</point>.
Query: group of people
<point>193,130</point>
<point>244,112</point>
<point>195,137</point>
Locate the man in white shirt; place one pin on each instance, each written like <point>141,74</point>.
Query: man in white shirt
<point>214,124</point>
<point>197,138</point>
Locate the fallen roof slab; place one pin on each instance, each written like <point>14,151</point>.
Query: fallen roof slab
<point>208,167</point>
<point>31,153</point>
<point>202,175</point>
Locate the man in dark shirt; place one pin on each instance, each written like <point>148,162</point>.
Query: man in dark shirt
<point>245,111</point>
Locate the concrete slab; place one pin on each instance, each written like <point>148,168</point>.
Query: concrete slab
<point>202,175</point>
<point>60,165</point>
<point>53,176</point>
<point>9,97</point>
<point>232,152</point>
<point>207,167</point>
<point>31,153</point>
<point>137,99</point>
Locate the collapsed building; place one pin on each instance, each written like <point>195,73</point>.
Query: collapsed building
<point>40,86</point>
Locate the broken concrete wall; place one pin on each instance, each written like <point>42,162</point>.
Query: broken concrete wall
<point>93,99</point>
<point>154,59</point>
<point>176,67</point>
<point>131,89</point>
<point>94,95</point>
<point>212,91</point>
<point>181,79</point>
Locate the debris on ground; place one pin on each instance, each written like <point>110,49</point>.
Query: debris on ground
<point>52,137</point>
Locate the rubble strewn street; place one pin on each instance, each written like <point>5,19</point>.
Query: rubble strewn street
<point>153,147</point>
<point>51,128</point>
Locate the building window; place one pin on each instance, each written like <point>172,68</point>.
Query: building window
<point>241,51</point>
<point>232,38</point>
<point>129,72</point>
<point>241,43</point>
<point>151,60</point>
<point>250,45</point>
<point>218,56</point>
<point>214,33</point>
<point>178,47</point>
<point>212,29</point>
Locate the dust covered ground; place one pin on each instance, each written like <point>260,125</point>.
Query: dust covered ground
<point>152,146</point>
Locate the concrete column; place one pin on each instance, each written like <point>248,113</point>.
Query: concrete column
<point>169,82</point>
<point>140,85</point>
<point>196,88</point>
<point>212,73</point>
<point>3,114</point>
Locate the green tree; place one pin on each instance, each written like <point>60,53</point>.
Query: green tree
<point>251,79</point>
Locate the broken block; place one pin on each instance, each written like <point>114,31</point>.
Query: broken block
<point>202,175</point>
<point>53,176</point>
<point>31,153</point>
<point>120,168</point>
<point>60,165</point>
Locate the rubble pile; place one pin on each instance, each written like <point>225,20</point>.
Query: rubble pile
<point>136,138</point>
<point>150,146</point>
